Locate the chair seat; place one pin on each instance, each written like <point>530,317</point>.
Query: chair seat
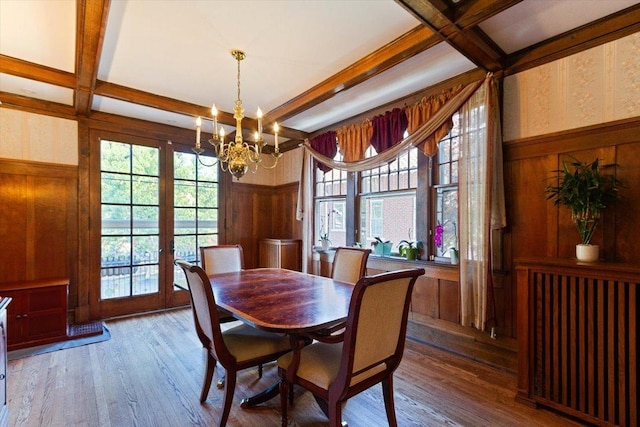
<point>246,343</point>
<point>320,362</point>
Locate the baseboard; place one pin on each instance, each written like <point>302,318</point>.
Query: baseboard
<point>500,353</point>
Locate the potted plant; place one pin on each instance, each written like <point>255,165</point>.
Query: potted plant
<point>454,255</point>
<point>324,241</point>
<point>408,249</point>
<point>586,191</point>
<point>381,247</point>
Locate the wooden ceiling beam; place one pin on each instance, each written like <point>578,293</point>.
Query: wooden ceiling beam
<point>470,42</point>
<point>473,12</point>
<point>135,96</point>
<point>39,106</point>
<point>404,47</point>
<point>91,23</point>
<point>613,27</point>
<point>40,73</point>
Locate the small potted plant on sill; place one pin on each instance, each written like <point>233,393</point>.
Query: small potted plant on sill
<point>454,254</point>
<point>408,248</point>
<point>586,191</point>
<point>324,241</point>
<point>381,247</point>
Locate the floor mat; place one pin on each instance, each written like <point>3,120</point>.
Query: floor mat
<point>84,334</point>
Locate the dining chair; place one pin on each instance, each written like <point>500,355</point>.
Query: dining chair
<point>235,349</point>
<point>369,353</point>
<point>219,259</point>
<point>349,264</point>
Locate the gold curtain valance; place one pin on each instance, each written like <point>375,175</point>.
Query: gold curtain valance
<point>419,136</point>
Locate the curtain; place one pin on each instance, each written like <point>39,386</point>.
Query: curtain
<point>481,201</point>
<point>304,210</point>
<point>421,134</point>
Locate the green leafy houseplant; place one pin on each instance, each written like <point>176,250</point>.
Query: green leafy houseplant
<point>381,247</point>
<point>586,191</point>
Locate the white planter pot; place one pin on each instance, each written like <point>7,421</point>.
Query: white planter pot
<point>587,253</point>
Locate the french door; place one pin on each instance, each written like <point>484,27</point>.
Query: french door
<point>153,204</point>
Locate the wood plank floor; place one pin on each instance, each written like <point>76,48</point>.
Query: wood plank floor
<point>149,374</point>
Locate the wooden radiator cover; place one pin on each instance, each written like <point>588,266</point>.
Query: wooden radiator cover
<point>578,340</point>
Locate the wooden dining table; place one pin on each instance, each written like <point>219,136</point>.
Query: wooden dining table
<point>283,301</point>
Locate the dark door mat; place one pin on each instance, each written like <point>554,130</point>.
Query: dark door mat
<point>70,342</point>
<point>84,329</point>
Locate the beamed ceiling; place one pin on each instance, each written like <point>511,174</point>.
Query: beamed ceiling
<point>311,65</point>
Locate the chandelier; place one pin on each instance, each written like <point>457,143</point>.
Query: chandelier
<point>237,156</point>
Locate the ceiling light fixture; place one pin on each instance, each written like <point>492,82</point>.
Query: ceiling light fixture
<point>237,156</point>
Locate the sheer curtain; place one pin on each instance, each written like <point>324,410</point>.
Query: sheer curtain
<point>304,211</point>
<point>481,203</point>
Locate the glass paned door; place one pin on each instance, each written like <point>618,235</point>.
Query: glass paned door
<point>195,210</point>
<point>130,220</point>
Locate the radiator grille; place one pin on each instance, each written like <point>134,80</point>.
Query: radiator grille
<point>585,345</point>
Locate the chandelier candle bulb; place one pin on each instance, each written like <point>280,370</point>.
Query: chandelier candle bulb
<point>198,126</point>
<point>259,123</point>
<point>276,128</point>
<point>214,113</point>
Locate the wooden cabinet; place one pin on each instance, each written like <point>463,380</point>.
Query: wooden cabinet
<point>578,338</point>
<point>281,253</point>
<point>4,409</point>
<point>38,312</point>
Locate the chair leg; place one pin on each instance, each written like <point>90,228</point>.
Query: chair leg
<point>260,370</point>
<point>335,414</point>
<point>229,389</point>
<point>220,383</point>
<point>208,377</point>
<point>387,392</point>
<point>284,387</point>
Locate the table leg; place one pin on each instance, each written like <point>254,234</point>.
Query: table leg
<point>263,396</point>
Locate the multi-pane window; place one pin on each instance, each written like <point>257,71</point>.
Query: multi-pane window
<point>446,190</point>
<point>330,197</point>
<point>388,200</point>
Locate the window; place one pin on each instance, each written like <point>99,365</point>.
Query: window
<point>446,190</point>
<point>388,200</point>
<point>330,197</point>
<point>402,200</point>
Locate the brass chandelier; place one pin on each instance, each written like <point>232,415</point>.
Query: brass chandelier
<point>237,156</point>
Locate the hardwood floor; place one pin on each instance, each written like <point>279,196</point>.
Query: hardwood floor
<point>149,374</point>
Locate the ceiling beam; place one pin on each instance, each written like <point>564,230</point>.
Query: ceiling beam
<point>468,40</point>
<point>404,47</point>
<point>39,106</point>
<point>122,93</point>
<point>473,12</point>
<point>91,23</point>
<point>613,27</point>
<point>29,70</point>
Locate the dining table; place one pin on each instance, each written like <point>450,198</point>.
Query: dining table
<point>282,301</point>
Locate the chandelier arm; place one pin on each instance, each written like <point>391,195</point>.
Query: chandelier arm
<point>276,156</point>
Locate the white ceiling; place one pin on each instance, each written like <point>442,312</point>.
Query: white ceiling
<point>180,50</point>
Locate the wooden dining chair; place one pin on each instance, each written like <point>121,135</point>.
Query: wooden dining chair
<point>349,264</point>
<point>219,259</point>
<point>235,349</point>
<point>369,353</point>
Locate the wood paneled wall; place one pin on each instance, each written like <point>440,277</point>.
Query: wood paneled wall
<point>255,212</point>
<point>38,222</point>
<point>538,228</point>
